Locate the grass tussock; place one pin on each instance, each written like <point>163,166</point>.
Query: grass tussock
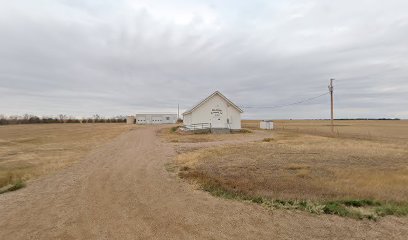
<point>12,177</point>
<point>12,187</point>
<point>243,130</point>
<point>174,129</point>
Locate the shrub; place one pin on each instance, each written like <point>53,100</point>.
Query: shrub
<point>243,130</point>
<point>258,200</point>
<point>174,129</point>
<point>335,208</point>
<point>360,203</point>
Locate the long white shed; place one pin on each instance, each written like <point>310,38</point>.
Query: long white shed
<point>156,118</point>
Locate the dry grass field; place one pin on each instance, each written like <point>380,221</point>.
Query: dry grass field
<point>28,151</point>
<point>250,124</point>
<point>362,129</point>
<point>367,163</point>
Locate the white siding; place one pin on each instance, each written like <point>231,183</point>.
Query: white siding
<point>266,125</point>
<point>130,120</point>
<point>156,118</point>
<point>216,111</point>
<point>187,119</point>
<point>140,119</point>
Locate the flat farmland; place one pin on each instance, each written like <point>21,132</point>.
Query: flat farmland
<point>302,162</point>
<point>128,185</point>
<point>29,151</point>
<point>363,129</point>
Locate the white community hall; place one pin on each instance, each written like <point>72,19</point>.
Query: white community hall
<point>215,112</point>
<point>153,118</point>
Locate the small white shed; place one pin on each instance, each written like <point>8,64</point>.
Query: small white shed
<point>266,124</point>
<point>217,111</point>
<point>130,120</point>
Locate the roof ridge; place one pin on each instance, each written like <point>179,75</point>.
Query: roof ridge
<point>209,97</point>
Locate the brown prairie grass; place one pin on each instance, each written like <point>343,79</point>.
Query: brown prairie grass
<point>250,124</point>
<point>29,151</point>
<point>303,167</point>
<point>298,166</point>
<point>395,130</point>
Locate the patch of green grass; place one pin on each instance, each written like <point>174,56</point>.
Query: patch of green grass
<point>170,167</point>
<point>17,185</point>
<point>269,203</point>
<point>354,208</point>
<point>392,209</point>
<point>8,177</point>
<point>258,200</point>
<point>243,130</point>
<point>174,129</point>
<point>218,191</point>
<point>360,203</point>
<point>336,209</point>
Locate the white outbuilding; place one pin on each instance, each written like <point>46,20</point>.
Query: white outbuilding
<point>130,120</point>
<point>156,118</point>
<point>215,111</point>
<point>266,124</point>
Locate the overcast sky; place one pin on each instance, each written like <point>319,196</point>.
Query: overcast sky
<point>114,57</point>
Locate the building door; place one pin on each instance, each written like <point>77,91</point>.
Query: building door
<point>156,120</point>
<point>140,120</point>
<point>217,119</point>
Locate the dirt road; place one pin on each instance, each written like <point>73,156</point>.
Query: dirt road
<point>122,191</point>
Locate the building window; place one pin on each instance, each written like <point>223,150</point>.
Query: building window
<point>167,118</point>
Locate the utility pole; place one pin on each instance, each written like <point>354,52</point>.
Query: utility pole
<point>178,112</point>
<point>331,104</point>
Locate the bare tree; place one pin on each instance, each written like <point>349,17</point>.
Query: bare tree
<point>96,118</point>
<point>62,118</point>
<point>3,119</point>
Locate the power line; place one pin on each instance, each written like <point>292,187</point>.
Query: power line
<point>287,105</point>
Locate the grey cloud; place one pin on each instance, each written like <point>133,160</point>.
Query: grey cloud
<point>115,57</point>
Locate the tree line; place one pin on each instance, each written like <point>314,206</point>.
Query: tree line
<point>61,118</point>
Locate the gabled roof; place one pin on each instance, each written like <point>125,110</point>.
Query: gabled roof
<point>208,98</point>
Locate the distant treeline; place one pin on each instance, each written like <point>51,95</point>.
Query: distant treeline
<point>32,119</point>
<point>367,119</point>
<point>351,119</point>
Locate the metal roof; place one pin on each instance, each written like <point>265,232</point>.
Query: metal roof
<point>208,98</point>
<point>156,113</point>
